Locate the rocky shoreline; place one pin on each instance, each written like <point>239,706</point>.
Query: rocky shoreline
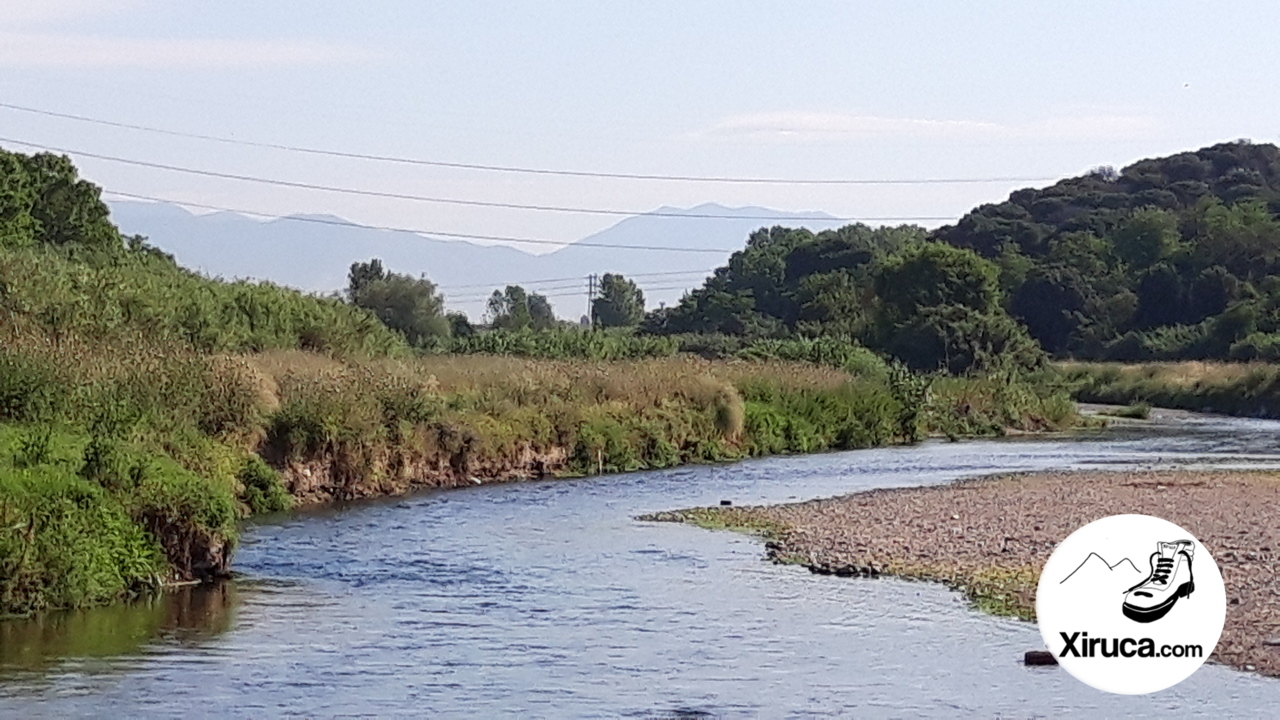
<point>990,537</point>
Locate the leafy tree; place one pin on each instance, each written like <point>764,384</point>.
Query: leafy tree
<point>621,303</point>
<point>1148,236</point>
<point>1052,303</point>
<point>43,198</point>
<point>515,309</point>
<point>1243,238</point>
<point>361,275</point>
<point>411,306</point>
<point>934,275</point>
<point>1160,297</point>
<point>961,339</point>
<point>940,309</point>
<point>68,210</point>
<point>459,325</point>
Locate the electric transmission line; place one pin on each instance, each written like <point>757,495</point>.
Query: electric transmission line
<point>522,170</point>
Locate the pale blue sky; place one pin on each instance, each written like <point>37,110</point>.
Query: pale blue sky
<point>792,89</point>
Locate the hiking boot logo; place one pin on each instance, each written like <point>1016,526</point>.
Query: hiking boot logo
<point>1170,579</point>
<point>1106,604</point>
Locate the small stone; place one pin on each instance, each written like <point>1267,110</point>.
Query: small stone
<point>1039,657</point>
<point>1250,668</point>
<point>955,517</point>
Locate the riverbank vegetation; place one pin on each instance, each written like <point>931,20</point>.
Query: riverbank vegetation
<point>145,409</point>
<point>1249,389</point>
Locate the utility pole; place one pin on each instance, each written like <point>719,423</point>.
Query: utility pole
<point>592,282</point>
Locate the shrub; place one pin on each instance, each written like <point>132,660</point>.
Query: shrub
<point>262,490</point>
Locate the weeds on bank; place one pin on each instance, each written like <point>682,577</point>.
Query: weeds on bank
<point>126,448</point>
<point>1250,389</point>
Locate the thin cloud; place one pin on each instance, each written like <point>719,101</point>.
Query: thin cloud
<point>799,127</point>
<point>92,51</point>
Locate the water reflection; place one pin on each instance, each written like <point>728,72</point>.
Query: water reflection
<point>182,615</point>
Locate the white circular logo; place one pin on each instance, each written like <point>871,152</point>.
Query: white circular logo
<point>1131,604</point>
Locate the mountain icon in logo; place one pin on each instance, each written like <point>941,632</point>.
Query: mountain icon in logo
<point>1095,570</point>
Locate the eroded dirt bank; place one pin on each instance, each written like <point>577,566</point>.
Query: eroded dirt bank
<point>338,477</point>
<point>991,537</point>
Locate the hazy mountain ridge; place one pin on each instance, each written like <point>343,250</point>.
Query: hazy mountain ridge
<point>311,252</point>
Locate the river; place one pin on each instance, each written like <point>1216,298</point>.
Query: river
<point>548,599</point>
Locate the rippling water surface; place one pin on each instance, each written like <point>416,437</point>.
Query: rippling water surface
<point>548,599</point>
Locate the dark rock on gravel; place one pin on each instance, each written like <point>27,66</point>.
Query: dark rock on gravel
<point>1039,657</point>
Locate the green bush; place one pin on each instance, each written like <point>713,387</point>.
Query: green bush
<point>262,490</point>
<point>31,388</point>
<point>68,543</point>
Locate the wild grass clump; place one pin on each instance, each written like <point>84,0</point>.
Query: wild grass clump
<point>989,405</point>
<point>261,488</point>
<point>65,542</point>
<point>1249,389</point>
<point>85,518</point>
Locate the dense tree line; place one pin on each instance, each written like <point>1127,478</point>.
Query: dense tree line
<point>1175,257</point>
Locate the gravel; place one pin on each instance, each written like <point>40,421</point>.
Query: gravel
<point>991,537</point>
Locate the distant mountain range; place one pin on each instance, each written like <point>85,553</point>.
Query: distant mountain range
<point>300,252</point>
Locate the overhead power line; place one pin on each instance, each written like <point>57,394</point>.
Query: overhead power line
<point>452,201</point>
<point>524,170</point>
<point>582,279</point>
<point>582,288</point>
<point>418,231</point>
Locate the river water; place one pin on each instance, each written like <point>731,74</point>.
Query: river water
<point>548,599</point>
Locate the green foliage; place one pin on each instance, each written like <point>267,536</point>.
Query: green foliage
<point>30,390</point>
<point>1123,265</point>
<point>43,200</point>
<point>515,309</point>
<point>134,296</point>
<point>262,490</point>
<point>410,306</point>
<point>621,303</point>
<point>1250,389</point>
<point>1147,236</point>
<point>64,542</point>
<point>789,282</point>
<point>936,275</point>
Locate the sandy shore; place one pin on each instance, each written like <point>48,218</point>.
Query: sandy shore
<point>991,537</point>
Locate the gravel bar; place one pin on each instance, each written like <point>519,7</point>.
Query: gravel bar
<point>990,537</point>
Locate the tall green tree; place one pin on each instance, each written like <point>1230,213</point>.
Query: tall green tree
<point>411,306</point>
<point>940,309</point>
<point>43,199</point>
<point>621,303</point>
<point>513,308</point>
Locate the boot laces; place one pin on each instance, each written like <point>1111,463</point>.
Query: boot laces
<point>1164,566</point>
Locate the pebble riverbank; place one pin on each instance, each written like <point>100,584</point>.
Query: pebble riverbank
<point>990,537</point>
